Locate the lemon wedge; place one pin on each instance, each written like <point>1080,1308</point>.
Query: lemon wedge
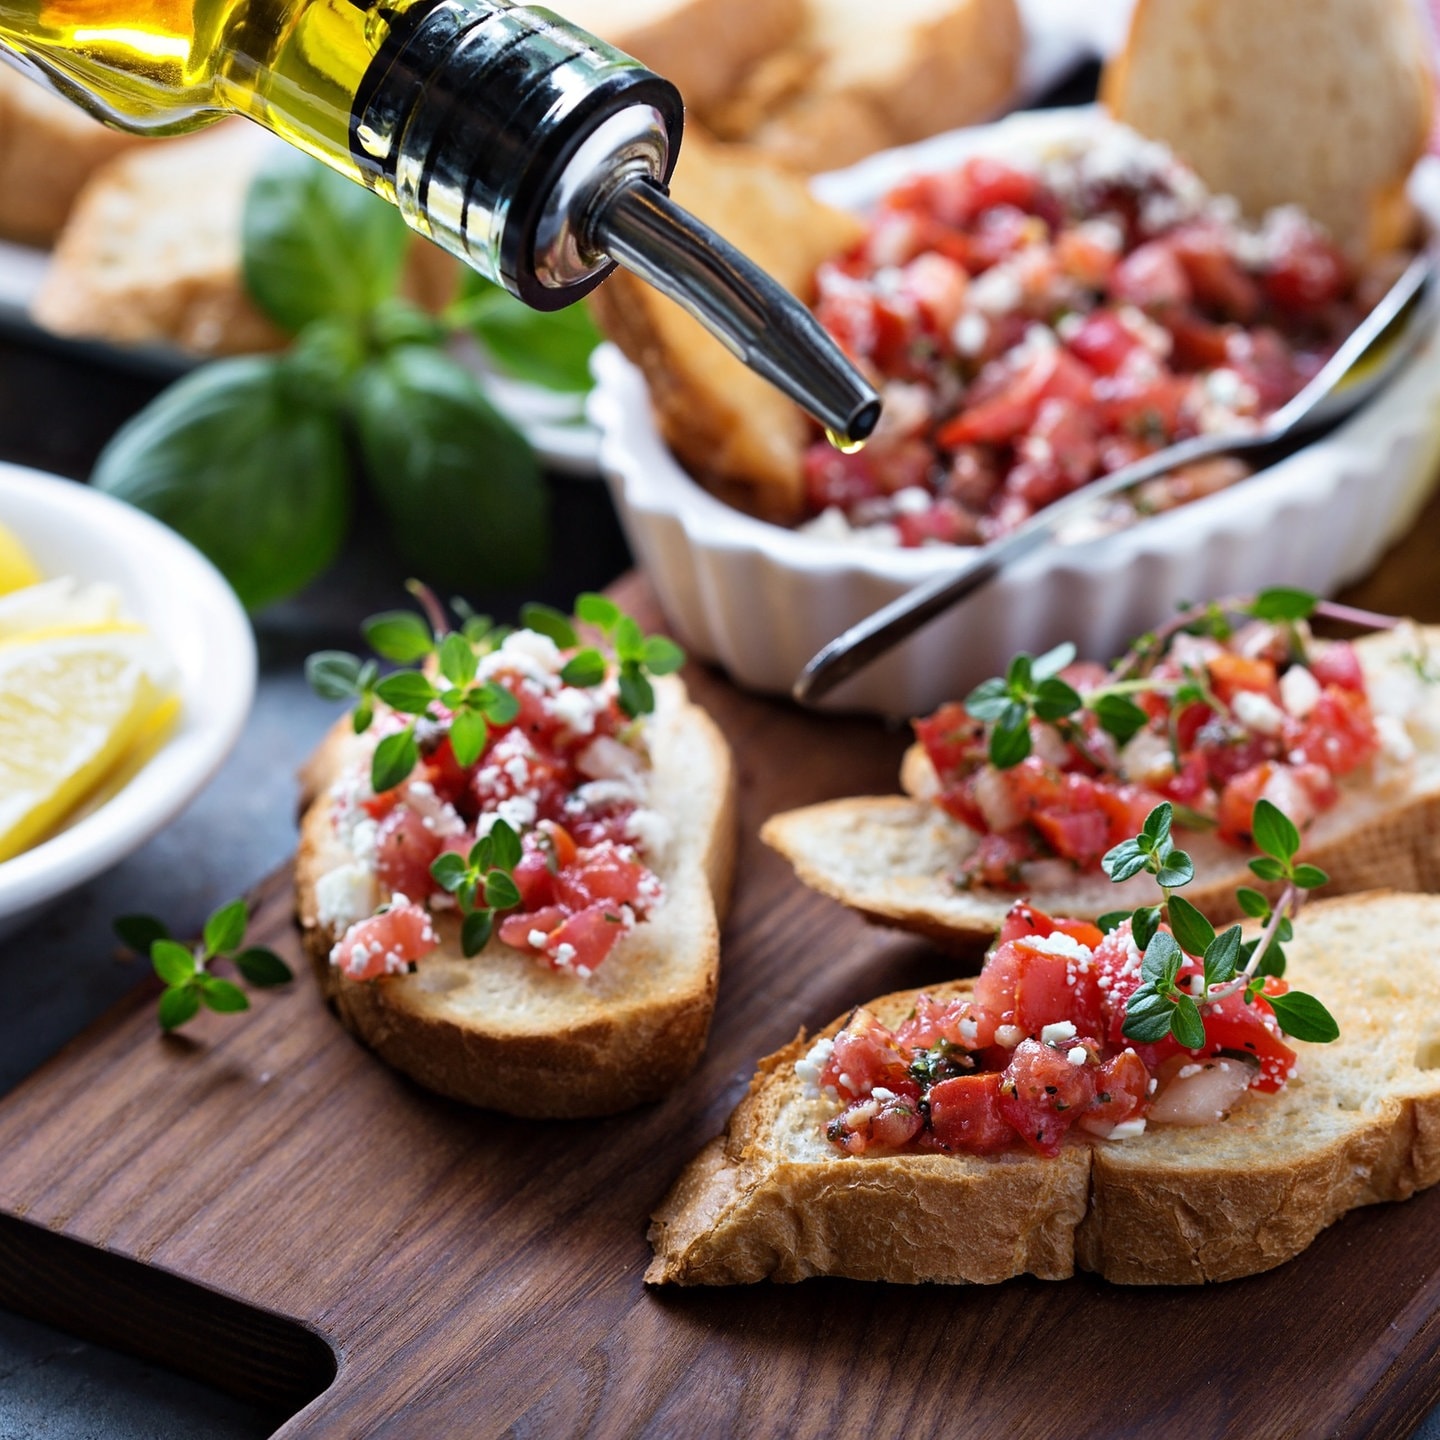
<point>72,703</point>
<point>53,604</point>
<point>17,569</point>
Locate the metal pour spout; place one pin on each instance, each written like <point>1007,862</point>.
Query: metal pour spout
<point>756,318</point>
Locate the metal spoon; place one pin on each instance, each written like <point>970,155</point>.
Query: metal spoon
<point>1320,406</point>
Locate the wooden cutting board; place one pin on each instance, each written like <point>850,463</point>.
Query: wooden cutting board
<point>261,1204</point>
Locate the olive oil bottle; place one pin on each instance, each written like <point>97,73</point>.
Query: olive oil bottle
<point>529,148</point>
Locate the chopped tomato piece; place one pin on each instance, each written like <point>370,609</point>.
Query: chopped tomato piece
<point>386,944</point>
<point>965,1114</point>
<point>1042,1094</point>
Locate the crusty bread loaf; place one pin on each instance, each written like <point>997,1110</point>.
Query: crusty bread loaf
<point>721,419</point>
<point>48,149</point>
<point>703,46</point>
<point>1325,104</point>
<point>861,80</point>
<point>892,857</point>
<point>152,251</point>
<point>1360,1124</point>
<point>502,1030</point>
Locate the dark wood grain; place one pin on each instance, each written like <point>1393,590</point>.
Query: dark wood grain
<point>228,1200</point>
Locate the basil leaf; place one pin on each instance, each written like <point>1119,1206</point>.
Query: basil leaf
<point>225,929</point>
<point>1274,831</point>
<point>246,467</point>
<point>499,705</point>
<point>1194,932</point>
<point>1304,1017</point>
<point>316,245</point>
<point>459,484</point>
<point>262,967</point>
<point>551,349</point>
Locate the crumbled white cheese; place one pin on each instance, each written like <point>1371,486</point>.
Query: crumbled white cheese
<point>1127,1130</point>
<point>1257,713</point>
<point>969,1031</point>
<point>439,817</point>
<point>1146,758</point>
<point>1299,691</point>
<point>912,500</point>
<point>1009,1036</point>
<point>576,710</point>
<point>536,939</point>
<point>971,332</point>
<point>606,758</point>
<point>881,1094</point>
<point>997,291</point>
<point>1077,1054</point>
<point>345,895</point>
<point>1395,742</point>
<point>1058,944</point>
<point>1060,1031</point>
<point>816,1058</point>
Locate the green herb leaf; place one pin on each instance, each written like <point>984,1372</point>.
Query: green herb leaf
<point>1310,877</point>
<point>1253,903</point>
<point>1111,920</point>
<point>1268,869</point>
<point>501,892</point>
<point>246,465</point>
<point>364,713</point>
<point>448,870</point>
<point>1161,962</point>
<point>1052,662</point>
<point>598,610</point>
<point>1222,956</point>
<point>1274,831</point>
<point>1186,1024</point>
<point>262,967</point>
<point>1304,1017</point>
<point>395,757</point>
<point>475,931</point>
<point>407,691</point>
<point>225,929</point>
<point>1194,932</point>
<point>1054,700</point>
<point>458,661</point>
<point>1119,716</point>
<point>1123,861</point>
<point>505,847</point>
<point>140,932</point>
<point>222,996</point>
<point>1144,925</point>
<point>584,669</point>
<point>174,963</point>
<point>1147,1016</point>
<point>434,447</point>
<point>552,349</point>
<point>629,640</point>
<point>1010,737</point>
<point>637,697</point>
<point>1157,824</point>
<point>546,620</point>
<point>317,246</point>
<point>501,706</point>
<point>1280,603</point>
<point>179,1004</point>
<point>1177,870</point>
<point>989,700</point>
<point>468,734</point>
<point>661,655</point>
<point>333,674</point>
<point>398,635</point>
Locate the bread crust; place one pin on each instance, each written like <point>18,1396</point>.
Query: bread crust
<point>500,1030</point>
<point>1360,1125</point>
<point>891,857</point>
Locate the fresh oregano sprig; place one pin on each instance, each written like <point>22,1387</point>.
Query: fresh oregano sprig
<point>439,683</point>
<point>483,883</point>
<point>1164,1005</point>
<point>1032,688</point>
<point>186,969</point>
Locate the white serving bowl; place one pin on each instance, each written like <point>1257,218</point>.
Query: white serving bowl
<point>761,599</point>
<point>194,616</point>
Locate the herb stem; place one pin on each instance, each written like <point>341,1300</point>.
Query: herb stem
<point>429,602</point>
<point>1351,615</point>
<point>1289,903</point>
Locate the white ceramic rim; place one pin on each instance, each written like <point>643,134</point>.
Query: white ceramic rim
<point>208,638</point>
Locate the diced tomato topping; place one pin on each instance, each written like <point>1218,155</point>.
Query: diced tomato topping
<point>866,1055</point>
<point>1230,674</point>
<point>1231,1024</point>
<point>1339,733</point>
<point>965,1114</point>
<point>1151,277</point>
<point>386,944</point>
<point>404,850</point>
<point>1336,662</point>
<point>1122,1090</point>
<point>1042,1094</point>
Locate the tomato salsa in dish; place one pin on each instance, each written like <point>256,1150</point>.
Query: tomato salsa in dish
<point>1036,1051</point>
<point>568,774</point>
<point>1265,711</point>
<point>1032,327</point>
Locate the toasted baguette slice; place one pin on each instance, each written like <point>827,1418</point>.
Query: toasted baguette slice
<point>703,46</point>
<point>892,857</point>
<point>152,252</point>
<point>929,65</point>
<point>48,150</point>
<point>503,1031</point>
<point>721,419</point>
<point>1325,105</point>
<point>772,1199</point>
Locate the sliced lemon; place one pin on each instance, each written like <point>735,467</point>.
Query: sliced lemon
<point>54,604</point>
<point>71,706</point>
<point>17,569</point>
